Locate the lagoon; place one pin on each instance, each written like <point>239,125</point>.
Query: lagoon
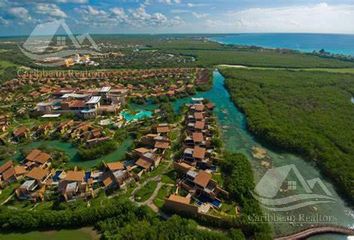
<point>237,138</point>
<point>72,152</point>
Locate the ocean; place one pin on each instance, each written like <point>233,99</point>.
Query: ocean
<point>333,43</point>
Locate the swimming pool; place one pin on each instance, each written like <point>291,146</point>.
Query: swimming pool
<point>138,116</point>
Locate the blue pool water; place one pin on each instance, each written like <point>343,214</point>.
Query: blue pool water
<point>333,43</point>
<point>138,116</point>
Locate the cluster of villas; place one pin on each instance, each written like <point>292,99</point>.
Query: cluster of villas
<point>197,191</point>
<point>83,132</point>
<point>39,181</point>
<point>86,103</point>
<point>83,78</point>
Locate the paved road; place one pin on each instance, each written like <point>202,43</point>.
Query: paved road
<point>317,230</point>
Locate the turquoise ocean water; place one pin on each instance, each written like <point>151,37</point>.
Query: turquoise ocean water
<point>333,43</point>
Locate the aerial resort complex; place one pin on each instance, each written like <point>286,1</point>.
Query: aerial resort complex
<point>117,125</point>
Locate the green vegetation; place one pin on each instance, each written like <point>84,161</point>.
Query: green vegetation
<point>8,70</point>
<point>210,54</point>
<point>309,113</point>
<point>77,234</point>
<point>164,192</point>
<point>239,182</point>
<point>99,150</point>
<point>141,227</point>
<point>146,191</point>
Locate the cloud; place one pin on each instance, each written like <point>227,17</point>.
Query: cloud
<point>200,15</point>
<point>72,1</point>
<point>20,13</point>
<point>169,2</point>
<point>192,5</point>
<point>3,21</point>
<point>306,18</point>
<point>50,9</point>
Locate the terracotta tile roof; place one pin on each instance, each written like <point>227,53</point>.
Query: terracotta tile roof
<point>37,174</point>
<point>151,135</point>
<point>179,199</point>
<point>199,107</point>
<point>77,104</point>
<point>210,106</point>
<point>20,170</point>
<point>198,137</point>
<point>33,154</point>
<point>163,129</point>
<point>142,150</point>
<point>114,166</point>
<point>199,152</point>
<point>143,163</point>
<point>75,176</point>
<point>182,166</point>
<point>200,125</point>
<point>162,145</point>
<point>6,166</point>
<point>202,179</point>
<point>42,157</point>
<point>20,131</point>
<point>107,181</point>
<point>198,116</point>
<point>38,156</point>
<point>8,174</point>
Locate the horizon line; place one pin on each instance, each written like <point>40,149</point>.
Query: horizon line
<point>160,34</point>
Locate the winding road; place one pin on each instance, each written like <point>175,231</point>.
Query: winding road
<point>318,230</point>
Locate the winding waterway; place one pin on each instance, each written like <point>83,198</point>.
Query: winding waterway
<point>237,138</point>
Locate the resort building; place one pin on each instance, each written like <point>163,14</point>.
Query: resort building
<point>195,167</point>
<point>34,186</point>
<point>20,133</point>
<point>37,158</point>
<point>85,103</point>
<point>75,185</point>
<point>115,176</point>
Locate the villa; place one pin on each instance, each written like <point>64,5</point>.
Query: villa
<point>115,176</point>
<point>21,132</point>
<point>34,186</point>
<point>74,185</point>
<point>37,158</point>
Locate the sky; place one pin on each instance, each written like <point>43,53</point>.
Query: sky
<point>20,17</point>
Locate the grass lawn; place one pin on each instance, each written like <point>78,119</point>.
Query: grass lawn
<point>77,234</point>
<point>145,192</point>
<point>164,192</point>
<point>169,177</point>
<point>5,193</point>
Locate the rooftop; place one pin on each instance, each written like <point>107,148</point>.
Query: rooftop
<point>199,152</point>
<point>198,137</point>
<point>179,199</point>
<point>114,166</point>
<point>94,100</point>
<point>6,166</point>
<point>143,163</point>
<point>202,179</point>
<point>74,176</point>
<point>37,174</point>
